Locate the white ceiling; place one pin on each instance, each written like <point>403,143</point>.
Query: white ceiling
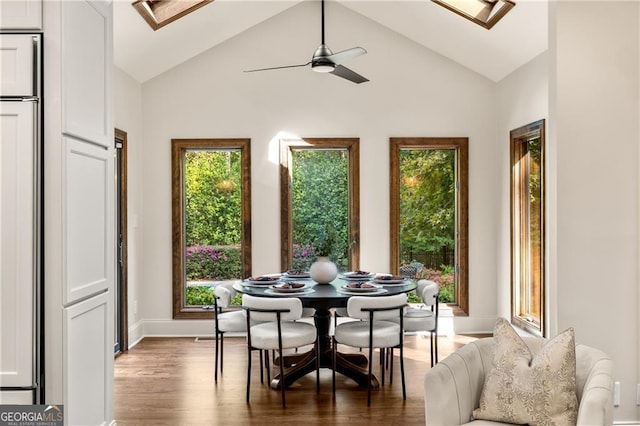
<point>519,37</point>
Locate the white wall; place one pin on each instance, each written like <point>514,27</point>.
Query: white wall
<point>594,55</point>
<point>128,118</point>
<point>522,99</point>
<point>413,92</point>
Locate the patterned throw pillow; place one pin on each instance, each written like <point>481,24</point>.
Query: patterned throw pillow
<point>523,389</point>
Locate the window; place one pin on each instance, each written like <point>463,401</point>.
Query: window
<point>211,215</point>
<point>527,227</point>
<point>429,212</point>
<point>319,181</point>
<point>485,13</point>
<point>159,13</point>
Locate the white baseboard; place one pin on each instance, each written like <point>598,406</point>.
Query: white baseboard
<point>135,334</point>
<point>177,328</point>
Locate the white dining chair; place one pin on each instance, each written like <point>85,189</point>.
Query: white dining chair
<point>277,329</point>
<point>375,330</point>
<point>225,322</point>
<point>424,318</point>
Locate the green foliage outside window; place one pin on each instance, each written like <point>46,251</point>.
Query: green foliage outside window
<point>427,200</point>
<point>213,198</point>
<point>320,207</point>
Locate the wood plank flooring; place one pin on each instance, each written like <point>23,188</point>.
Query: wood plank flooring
<point>169,381</point>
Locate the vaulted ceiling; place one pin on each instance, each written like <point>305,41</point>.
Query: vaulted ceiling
<point>519,37</point>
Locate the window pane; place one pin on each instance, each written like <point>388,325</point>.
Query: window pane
<point>527,224</point>
<point>320,205</point>
<point>532,233</point>
<point>211,219</point>
<point>213,194</point>
<point>429,213</point>
<point>319,197</point>
<point>428,216</point>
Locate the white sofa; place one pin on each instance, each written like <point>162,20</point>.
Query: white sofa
<point>452,388</point>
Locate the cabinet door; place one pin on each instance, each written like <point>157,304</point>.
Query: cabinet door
<point>20,14</point>
<point>87,59</point>
<point>88,361</point>
<point>16,65</point>
<point>89,236</point>
<point>16,244</point>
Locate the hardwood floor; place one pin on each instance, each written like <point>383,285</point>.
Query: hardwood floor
<point>169,381</point>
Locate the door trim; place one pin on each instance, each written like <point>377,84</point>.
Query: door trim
<point>120,136</point>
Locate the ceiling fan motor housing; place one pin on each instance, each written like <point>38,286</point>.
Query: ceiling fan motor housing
<point>320,61</point>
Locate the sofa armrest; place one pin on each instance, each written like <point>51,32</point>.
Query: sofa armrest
<point>596,403</point>
<point>452,387</point>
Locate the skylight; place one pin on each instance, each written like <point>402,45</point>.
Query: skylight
<point>483,12</point>
<point>159,13</point>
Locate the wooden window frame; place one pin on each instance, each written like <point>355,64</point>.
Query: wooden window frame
<point>461,147</point>
<point>352,145</point>
<point>160,13</point>
<point>518,137</point>
<point>178,150</point>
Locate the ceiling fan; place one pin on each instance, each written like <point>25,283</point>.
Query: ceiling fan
<point>325,61</point>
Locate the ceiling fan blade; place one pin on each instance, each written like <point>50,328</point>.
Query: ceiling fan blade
<point>279,68</point>
<point>346,55</point>
<point>346,73</point>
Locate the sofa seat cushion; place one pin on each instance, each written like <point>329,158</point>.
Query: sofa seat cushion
<point>525,389</point>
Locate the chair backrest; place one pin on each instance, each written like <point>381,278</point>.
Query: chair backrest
<point>429,293</point>
<point>357,303</point>
<point>421,284</point>
<point>291,305</point>
<point>224,293</point>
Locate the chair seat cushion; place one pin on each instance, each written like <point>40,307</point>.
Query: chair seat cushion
<point>232,321</point>
<point>416,319</point>
<point>294,334</point>
<point>386,334</point>
<point>526,389</point>
<point>341,312</point>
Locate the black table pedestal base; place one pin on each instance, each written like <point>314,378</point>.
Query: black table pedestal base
<point>352,365</point>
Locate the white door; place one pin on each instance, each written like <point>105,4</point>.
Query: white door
<point>16,65</point>
<point>20,14</point>
<point>88,342</point>
<point>16,243</point>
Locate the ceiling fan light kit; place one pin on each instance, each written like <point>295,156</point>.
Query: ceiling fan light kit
<point>325,61</point>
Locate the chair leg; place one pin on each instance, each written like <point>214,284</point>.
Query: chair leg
<point>333,367</point>
<point>404,392</point>
<point>282,381</point>
<point>221,352</point>
<point>435,336</point>
<point>268,367</point>
<point>317,344</point>
<point>215,374</point>
<point>261,368</point>
<point>369,377</point>
<point>391,366</point>
<point>431,338</point>
<point>382,363</point>
<point>249,372</point>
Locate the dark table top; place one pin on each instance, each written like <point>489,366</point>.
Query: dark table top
<point>324,296</point>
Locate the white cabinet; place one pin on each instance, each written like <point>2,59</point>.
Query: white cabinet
<point>16,397</point>
<point>21,14</point>
<point>16,246</point>
<point>88,361</point>
<point>89,237</point>
<point>16,65</point>
<point>79,209</point>
<point>86,71</point>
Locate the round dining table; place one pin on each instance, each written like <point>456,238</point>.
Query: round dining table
<point>323,297</point>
